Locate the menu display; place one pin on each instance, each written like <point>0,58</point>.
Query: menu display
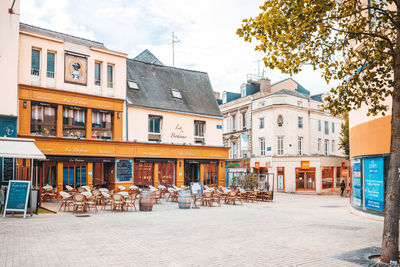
<point>196,188</point>
<point>8,165</point>
<point>374,183</point>
<point>357,194</point>
<point>17,196</point>
<point>124,170</point>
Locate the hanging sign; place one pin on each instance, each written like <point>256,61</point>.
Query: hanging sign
<point>345,172</point>
<point>305,164</point>
<point>257,165</point>
<point>17,196</point>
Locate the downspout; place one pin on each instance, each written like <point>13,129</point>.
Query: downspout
<point>251,130</point>
<point>126,118</point>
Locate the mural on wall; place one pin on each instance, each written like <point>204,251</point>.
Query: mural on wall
<point>75,69</point>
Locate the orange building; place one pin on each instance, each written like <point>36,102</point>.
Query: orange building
<point>72,101</point>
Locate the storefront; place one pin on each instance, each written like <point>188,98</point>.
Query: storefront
<point>155,172</point>
<point>205,171</point>
<point>305,179</point>
<point>368,183</point>
<point>8,166</point>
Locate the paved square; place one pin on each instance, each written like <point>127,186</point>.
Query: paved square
<point>294,230</point>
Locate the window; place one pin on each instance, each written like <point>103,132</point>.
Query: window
<point>305,179</point>
<point>210,174</point>
<point>234,152</point>
<point>262,146</point>
<point>74,122</point>
<point>43,119</point>
<point>155,128</point>
<point>319,125</point>
<point>176,93</point>
<point>102,121</point>
<point>333,146</point>
<point>225,125</point>
<point>280,140</point>
<point>300,122</point>
<point>74,174</point>
<point>333,127</point>
<point>244,120</point>
<point>133,85</point>
<point>319,144</point>
<point>280,121</point>
<point>199,130</point>
<point>326,147</point>
<point>51,57</point>
<point>261,123</point>
<point>326,127</point>
<point>299,103</point>
<point>338,176</point>
<point>300,145</point>
<point>327,177</point>
<point>97,73</point>
<point>233,123</point>
<point>35,63</point>
<point>110,76</point>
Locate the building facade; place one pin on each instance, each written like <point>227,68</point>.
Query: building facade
<point>72,99</point>
<point>293,139</point>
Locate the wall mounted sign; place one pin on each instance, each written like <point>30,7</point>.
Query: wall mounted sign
<point>374,183</point>
<point>257,165</point>
<point>124,170</point>
<point>305,164</point>
<point>17,196</point>
<point>178,132</point>
<point>345,172</point>
<point>232,164</point>
<point>75,69</point>
<point>356,183</point>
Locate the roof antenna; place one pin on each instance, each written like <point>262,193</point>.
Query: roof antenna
<point>174,41</point>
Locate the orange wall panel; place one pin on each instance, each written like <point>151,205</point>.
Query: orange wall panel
<point>180,174</point>
<point>221,173</point>
<point>24,118</point>
<point>371,138</point>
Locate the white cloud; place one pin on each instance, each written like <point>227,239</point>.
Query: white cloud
<point>206,30</point>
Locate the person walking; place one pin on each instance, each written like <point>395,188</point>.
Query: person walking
<point>342,187</point>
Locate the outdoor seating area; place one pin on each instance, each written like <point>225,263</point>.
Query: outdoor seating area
<point>85,199</point>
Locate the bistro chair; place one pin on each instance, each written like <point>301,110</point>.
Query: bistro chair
<point>124,194</point>
<point>1,200</point>
<point>81,189</point>
<point>92,202</point>
<point>157,196</point>
<point>253,196</point>
<point>216,197</point>
<point>121,188</point>
<point>65,200</point>
<point>117,201</point>
<point>87,188</point>
<point>130,202</point>
<point>105,200</point>
<point>207,199</point>
<point>79,201</point>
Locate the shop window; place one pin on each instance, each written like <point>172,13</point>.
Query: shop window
<point>166,173</point>
<point>210,174</point>
<point>143,173</point>
<point>74,174</point>
<point>327,177</point>
<point>305,179</point>
<point>155,125</point>
<point>35,62</point>
<point>101,174</point>
<point>281,178</point>
<point>51,59</point>
<point>43,119</point>
<point>102,121</point>
<point>97,73</point>
<point>50,173</point>
<point>199,130</point>
<point>74,122</point>
<point>338,176</point>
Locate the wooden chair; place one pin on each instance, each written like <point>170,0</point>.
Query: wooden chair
<point>253,196</point>
<point>92,202</point>
<point>79,201</point>
<point>216,197</point>
<point>130,202</point>
<point>207,199</point>
<point>174,197</point>
<point>105,200</point>
<point>117,202</point>
<point>157,196</point>
<point>231,197</point>
<point>65,200</point>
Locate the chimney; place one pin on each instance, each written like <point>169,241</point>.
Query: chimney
<point>217,95</point>
<point>265,85</point>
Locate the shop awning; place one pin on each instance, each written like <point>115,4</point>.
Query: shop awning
<point>19,148</point>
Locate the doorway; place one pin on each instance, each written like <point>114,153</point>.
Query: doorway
<point>305,179</point>
<point>102,174</point>
<point>192,173</point>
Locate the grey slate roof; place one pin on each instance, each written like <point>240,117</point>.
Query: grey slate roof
<point>147,56</point>
<point>64,36</point>
<point>155,83</point>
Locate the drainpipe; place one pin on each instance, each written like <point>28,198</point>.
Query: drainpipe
<point>251,131</point>
<point>126,122</point>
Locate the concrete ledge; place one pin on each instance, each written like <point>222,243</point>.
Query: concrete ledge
<point>365,214</point>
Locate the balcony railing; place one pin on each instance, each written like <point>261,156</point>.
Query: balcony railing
<point>35,72</point>
<point>97,82</point>
<point>110,84</point>
<point>50,74</point>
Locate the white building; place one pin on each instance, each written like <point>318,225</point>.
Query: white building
<point>291,137</point>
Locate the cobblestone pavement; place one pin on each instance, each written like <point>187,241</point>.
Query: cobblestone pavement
<point>294,230</point>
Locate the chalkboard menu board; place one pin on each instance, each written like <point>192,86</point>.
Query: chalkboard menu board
<point>196,188</point>
<point>8,165</point>
<point>17,196</point>
<point>124,170</point>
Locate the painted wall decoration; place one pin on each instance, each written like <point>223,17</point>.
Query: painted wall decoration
<point>374,187</point>
<point>356,182</point>
<point>75,69</point>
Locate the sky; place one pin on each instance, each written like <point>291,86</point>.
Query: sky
<point>206,31</point>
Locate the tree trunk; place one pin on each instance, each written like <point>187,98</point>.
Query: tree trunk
<point>390,238</point>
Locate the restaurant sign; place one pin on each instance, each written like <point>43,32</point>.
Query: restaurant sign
<point>257,165</point>
<point>233,164</point>
<point>305,164</point>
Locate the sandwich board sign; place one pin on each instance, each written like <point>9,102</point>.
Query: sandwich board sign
<point>17,196</point>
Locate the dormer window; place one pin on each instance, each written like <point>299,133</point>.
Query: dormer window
<point>133,85</point>
<point>176,93</point>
